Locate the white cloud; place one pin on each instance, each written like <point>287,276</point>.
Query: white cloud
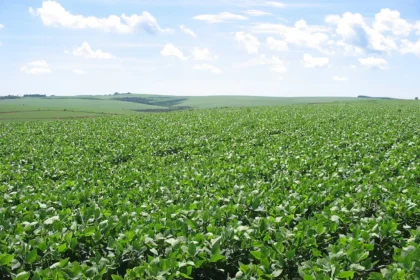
<point>277,45</point>
<point>85,50</point>
<point>388,20</point>
<point>188,31</point>
<point>353,66</point>
<point>275,4</point>
<point>171,50</point>
<point>340,79</point>
<point>203,54</point>
<point>315,62</point>
<point>36,67</point>
<point>301,35</point>
<point>410,47</point>
<point>354,31</point>
<point>277,65</point>
<point>217,18</point>
<point>209,67</point>
<point>256,13</point>
<point>79,71</point>
<point>374,63</point>
<point>250,42</point>
<point>38,63</point>
<point>350,49</point>
<point>53,14</point>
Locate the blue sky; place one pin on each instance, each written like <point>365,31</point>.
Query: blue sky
<point>211,47</point>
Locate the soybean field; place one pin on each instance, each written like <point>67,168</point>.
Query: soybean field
<point>316,191</point>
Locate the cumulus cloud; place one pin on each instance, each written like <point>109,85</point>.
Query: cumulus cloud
<point>86,51</point>
<point>349,34</point>
<point>36,67</point>
<point>374,63</point>
<point>388,20</point>
<point>248,41</point>
<point>203,54</point>
<point>386,33</point>
<point>79,71</point>
<point>315,62</point>
<point>353,30</point>
<point>208,67</point>
<point>188,31</point>
<point>277,45</point>
<point>301,35</point>
<point>340,79</point>
<point>217,18</point>
<point>171,50</point>
<point>410,47</point>
<point>53,14</point>
<point>256,13</point>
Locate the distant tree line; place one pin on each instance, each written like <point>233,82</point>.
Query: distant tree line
<point>9,97</point>
<point>34,95</point>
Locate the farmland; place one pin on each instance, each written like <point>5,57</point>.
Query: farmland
<point>325,191</point>
<point>88,106</point>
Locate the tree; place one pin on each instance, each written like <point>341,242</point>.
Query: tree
<point>417,98</point>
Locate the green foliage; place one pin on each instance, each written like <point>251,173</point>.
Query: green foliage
<point>302,192</point>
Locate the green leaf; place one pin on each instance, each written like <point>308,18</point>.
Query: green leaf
<point>43,246</point>
<point>335,218</point>
<point>357,267</point>
<point>116,277</point>
<point>277,273</point>
<point>89,231</point>
<point>376,276</point>
<point>257,254</point>
<point>23,276</point>
<point>291,254</point>
<point>216,258</point>
<point>6,259</point>
<point>61,248</point>
<point>32,255</point>
<point>64,262</point>
<point>346,274</point>
<point>173,242</point>
<point>185,276</point>
<point>192,249</point>
<point>51,220</point>
<point>243,267</point>
<point>364,256</point>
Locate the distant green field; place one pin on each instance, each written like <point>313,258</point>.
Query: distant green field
<point>46,115</point>
<point>250,101</point>
<point>80,104</point>
<point>57,107</point>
